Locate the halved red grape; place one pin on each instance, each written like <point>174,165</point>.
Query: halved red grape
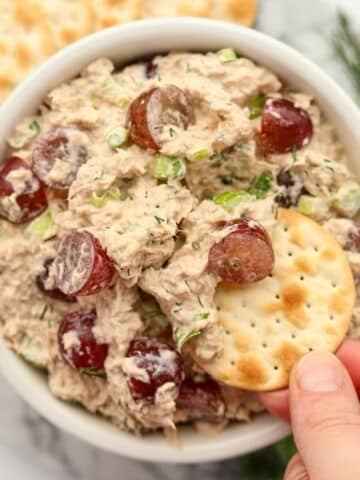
<point>201,400</point>
<point>19,182</point>
<point>80,349</point>
<point>152,110</point>
<point>353,240</point>
<point>284,127</point>
<point>82,266</point>
<point>161,364</point>
<point>54,293</point>
<point>58,155</point>
<point>245,255</point>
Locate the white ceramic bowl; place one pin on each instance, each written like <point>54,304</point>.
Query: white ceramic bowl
<point>122,44</point>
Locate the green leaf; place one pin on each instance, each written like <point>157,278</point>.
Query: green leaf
<point>261,185</point>
<point>226,55</point>
<point>256,106</point>
<point>230,199</point>
<point>267,464</point>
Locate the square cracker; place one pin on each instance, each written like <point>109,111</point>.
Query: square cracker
<point>304,305</point>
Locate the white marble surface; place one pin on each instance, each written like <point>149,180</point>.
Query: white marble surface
<point>33,449</point>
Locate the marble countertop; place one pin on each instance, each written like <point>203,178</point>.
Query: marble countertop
<point>30,447</point>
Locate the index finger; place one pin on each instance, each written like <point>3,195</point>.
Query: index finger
<point>349,353</point>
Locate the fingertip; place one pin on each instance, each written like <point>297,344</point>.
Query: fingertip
<point>349,354</point>
<point>296,469</point>
<point>277,403</point>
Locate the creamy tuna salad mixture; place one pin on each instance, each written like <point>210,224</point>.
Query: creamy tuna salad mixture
<point>123,201</point>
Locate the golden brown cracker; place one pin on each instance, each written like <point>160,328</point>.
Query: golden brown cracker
<point>305,305</point>
<point>32,30</point>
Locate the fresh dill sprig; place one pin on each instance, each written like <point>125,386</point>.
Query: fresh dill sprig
<point>347,47</point>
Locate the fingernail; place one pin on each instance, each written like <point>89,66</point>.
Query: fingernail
<point>319,372</point>
<point>298,473</point>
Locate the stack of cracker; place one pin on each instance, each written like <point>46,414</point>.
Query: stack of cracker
<point>32,30</point>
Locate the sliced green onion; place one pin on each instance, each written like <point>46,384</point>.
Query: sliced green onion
<point>113,193</point>
<point>199,155</point>
<point>261,185</point>
<point>232,198</point>
<point>43,226</point>
<point>113,92</point>
<point>117,137</point>
<point>227,55</point>
<point>169,167</point>
<point>347,200</point>
<point>256,106</point>
<point>35,126</point>
<point>312,206</point>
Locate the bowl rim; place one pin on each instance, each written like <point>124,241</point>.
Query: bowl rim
<point>19,375</point>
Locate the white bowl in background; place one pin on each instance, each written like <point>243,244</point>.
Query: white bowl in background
<point>122,44</point>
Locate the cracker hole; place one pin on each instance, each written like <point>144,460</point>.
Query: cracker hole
<point>302,278</point>
<point>334,284</point>
<point>277,296</point>
<point>227,332</point>
<point>276,367</point>
<point>308,305</point>
<point>277,320</point>
<point>252,324</point>
<point>331,317</point>
<point>286,229</point>
<point>218,308</point>
<point>264,345</point>
<point>310,349</point>
<point>316,249</point>
<point>270,275</point>
<point>293,335</point>
<point>232,363</point>
<point>290,254</point>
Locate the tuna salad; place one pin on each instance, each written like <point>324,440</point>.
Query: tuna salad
<point>122,202</point>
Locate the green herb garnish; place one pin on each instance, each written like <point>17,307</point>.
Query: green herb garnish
<point>347,47</point>
<point>92,372</point>
<point>182,339</point>
<point>159,219</point>
<point>261,185</point>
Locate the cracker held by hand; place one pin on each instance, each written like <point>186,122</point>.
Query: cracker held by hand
<point>304,305</point>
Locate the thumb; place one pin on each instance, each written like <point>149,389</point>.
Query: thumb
<point>325,417</point>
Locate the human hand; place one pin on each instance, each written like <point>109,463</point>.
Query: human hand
<point>323,407</point>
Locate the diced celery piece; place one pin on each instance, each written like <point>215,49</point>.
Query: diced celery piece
<point>98,199</point>
<point>169,167</point>
<point>232,198</point>
<point>117,137</point>
<point>227,55</point>
<point>312,206</point>
<point>43,226</point>
<point>199,155</point>
<point>261,185</point>
<point>256,106</point>
<point>347,200</point>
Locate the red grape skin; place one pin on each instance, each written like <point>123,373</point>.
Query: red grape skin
<point>54,293</point>
<point>244,255</point>
<point>155,108</point>
<point>64,143</point>
<point>32,201</point>
<point>201,400</point>
<point>89,354</point>
<point>284,127</point>
<point>161,363</point>
<point>82,266</point>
